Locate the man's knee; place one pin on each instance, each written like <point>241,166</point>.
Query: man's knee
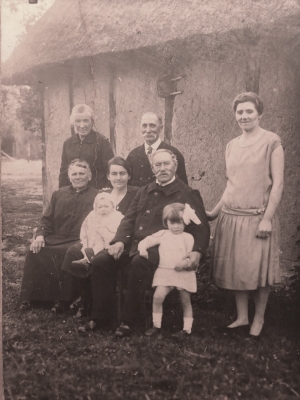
<point>103,263</point>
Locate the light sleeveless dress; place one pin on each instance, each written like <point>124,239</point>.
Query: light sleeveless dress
<point>242,261</point>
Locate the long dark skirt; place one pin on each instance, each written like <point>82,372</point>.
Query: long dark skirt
<point>43,279</point>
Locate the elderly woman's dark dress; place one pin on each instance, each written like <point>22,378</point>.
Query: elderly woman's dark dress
<point>60,226</point>
<point>95,149</point>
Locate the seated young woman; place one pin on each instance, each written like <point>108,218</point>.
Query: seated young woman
<point>121,195</point>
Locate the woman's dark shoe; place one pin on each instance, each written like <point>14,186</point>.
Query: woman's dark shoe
<point>58,307</point>
<point>238,330</point>
<point>88,327</point>
<point>74,307</point>
<point>25,305</point>
<point>123,331</point>
<point>82,312</point>
<point>154,331</point>
<point>254,338</point>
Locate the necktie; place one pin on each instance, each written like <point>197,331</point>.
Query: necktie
<point>149,150</point>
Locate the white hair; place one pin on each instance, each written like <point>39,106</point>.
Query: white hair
<point>81,109</point>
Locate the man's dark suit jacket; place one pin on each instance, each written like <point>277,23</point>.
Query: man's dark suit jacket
<point>144,216</point>
<point>141,169</point>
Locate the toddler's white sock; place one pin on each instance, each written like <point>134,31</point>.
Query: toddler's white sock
<point>187,324</point>
<point>156,317</point>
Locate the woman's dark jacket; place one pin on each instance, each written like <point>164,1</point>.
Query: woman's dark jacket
<point>95,149</point>
<point>61,222</point>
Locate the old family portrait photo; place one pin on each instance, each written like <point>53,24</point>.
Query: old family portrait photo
<point>150,199</point>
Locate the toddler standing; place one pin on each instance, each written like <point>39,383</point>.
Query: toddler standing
<point>173,269</point>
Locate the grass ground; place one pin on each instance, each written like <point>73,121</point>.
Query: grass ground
<point>44,358</point>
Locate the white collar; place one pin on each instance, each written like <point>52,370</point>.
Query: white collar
<point>154,145</point>
<point>167,183</point>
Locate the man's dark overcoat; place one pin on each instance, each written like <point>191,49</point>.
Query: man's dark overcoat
<point>144,217</point>
<point>141,169</point>
<point>95,149</point>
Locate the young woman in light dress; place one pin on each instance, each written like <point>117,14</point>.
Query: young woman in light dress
<point>246,241</point>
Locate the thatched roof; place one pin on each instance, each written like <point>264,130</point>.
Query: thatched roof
<point>80,28</point>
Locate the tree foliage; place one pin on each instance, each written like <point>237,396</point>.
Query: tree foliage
<point>28,14</point>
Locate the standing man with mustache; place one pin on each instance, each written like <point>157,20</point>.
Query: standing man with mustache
<point>88,145</point>
<point>138,158</point>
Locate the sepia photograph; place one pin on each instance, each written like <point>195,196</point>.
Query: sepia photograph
<point>150,197</point>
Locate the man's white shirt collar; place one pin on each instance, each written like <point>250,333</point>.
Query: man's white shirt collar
<point>167,183</point>
<point>154,146</point>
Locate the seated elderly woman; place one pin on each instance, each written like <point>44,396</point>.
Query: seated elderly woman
<point>88,145</point>
<point>59,228</point>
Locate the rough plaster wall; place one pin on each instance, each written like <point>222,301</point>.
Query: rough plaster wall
<point>203,122</point>
<point>57,125</point>
<point>136,94</point>
<point>280,91</point>
<point>90,86</point>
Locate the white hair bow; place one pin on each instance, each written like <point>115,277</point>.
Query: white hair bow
<point>190,215</point>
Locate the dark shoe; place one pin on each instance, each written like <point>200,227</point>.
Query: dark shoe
<point>88,327</point>
<point>238,330</point>
<point>58,307</point>
<point>25,305</point>
<point>123,331</point>
<point>153,331</point>
<point>74,307</point>
<point>82,312</point>
<point>81,263</point>
<point>81,268</point>
<point>89,253</point>
<point>181,335</point>
<point>254,338</point>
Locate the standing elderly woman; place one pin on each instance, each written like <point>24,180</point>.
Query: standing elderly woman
<point>246,244</point>
<point>87,145</point>
<point>59,228</point>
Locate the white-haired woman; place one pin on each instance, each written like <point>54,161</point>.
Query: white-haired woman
<point>87,145</point>
<point>59,228</point>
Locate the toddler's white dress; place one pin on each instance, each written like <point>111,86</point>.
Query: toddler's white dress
<point>172,249</point>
